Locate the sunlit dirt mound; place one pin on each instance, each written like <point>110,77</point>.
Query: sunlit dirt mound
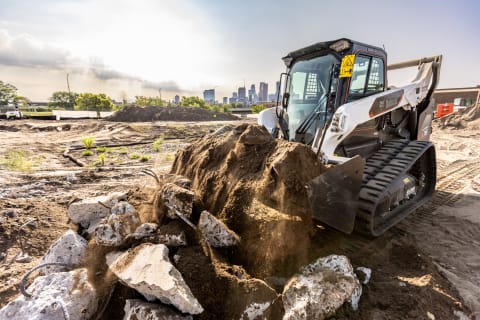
<point>256,184</point>
<point>145,114</point>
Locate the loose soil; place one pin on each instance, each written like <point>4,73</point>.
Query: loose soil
<point>145,114</point>
<point>428,263</point>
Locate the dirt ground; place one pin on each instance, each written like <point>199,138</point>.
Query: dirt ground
<point>428,264</point>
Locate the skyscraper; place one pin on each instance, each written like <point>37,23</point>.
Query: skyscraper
<point>252,94</point>
<point>225,100</point>
<point>241,95</point>
<point>177,99</point>
<point>263,92</point>
<point>209,96</point>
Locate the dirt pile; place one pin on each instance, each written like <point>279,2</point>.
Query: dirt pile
<point>256,184</point>
<point>145,114</point>
<point>461,118</point>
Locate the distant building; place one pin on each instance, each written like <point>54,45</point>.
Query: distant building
<point>177,99</point>
<point>252,94</point>
<point>209,96</point>
<point>242,95</point>
<point>263,92</point>
<point>468,95</point>
<point>225,100</point>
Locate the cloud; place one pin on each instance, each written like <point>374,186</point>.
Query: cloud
<point>27,52</point>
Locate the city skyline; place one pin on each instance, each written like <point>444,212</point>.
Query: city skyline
<point>181,47</point>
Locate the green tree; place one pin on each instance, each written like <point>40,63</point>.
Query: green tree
<point>8,93</point>
<point>63,99</point>
<point>193,102</point>
<point>143,101</point>
<point>256,108</point>
<point>94,102</point>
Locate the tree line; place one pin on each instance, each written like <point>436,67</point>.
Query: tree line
<point>101,102</point>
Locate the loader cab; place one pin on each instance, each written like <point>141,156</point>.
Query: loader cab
<point>322,77</point>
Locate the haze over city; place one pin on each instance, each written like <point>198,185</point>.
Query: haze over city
<point>127,48</point>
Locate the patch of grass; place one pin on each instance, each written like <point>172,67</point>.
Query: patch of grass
<point>88,142</point>
<point>134,156</point>
<point>16,160</point>
<point>87,153</point>
<point>157,144</point>
<point>101,149</point>
<point>169,157</point>
<point>101,159</point>
<point>144,158</point>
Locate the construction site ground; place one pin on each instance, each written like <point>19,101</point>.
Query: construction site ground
<point>428,265</point>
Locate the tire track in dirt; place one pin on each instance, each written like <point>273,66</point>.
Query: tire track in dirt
<point>448,230</point>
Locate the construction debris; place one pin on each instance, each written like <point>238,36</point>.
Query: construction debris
<point>114,229</point>
<point>216,232</point>
<point>178,200</point>
<point>54,294</point>
<point>140,310</point>
<point>321,288</point>
<point>69,250</point>
<point>147,269</point>
<point>88,212</point>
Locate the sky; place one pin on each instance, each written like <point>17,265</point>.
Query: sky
<point>126,48</point>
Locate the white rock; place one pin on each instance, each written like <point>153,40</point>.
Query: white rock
<point>69,249</point>
<point>177,199</point>
<point>255,311</point>
<point>88,211</point>
<point>147,269</point>
<point>113,230</point>
<point>367,274</point>
<point>48,292</point>
<point>123,207</point>
<point>173,240</point>
<point>140,310</point>
<point>321,288</point>
<point>216,232</point>
<point>145,230</point>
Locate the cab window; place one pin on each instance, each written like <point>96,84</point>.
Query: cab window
<point>367,77</point>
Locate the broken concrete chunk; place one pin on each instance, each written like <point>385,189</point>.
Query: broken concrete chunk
<point>173,240</point>
<point>140,310</point>
<point>177,199</point>
<point>89,210</point>
<point>216,232</point>
<point>145,230</point>
<point>147,269</point>
<point>69,249</point>
<point>123,207</point>
<point>321,288</point>
<point>71,289</point>
<point>113,230</point>
<point>179,180</point>
<point>364,274</point>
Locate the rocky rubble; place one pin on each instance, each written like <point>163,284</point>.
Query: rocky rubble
<point>147,269</point>
<point>213,262</point>
<point>52,293</point>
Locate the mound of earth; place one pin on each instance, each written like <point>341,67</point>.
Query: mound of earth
<point>145,114</point>
<point>461,118</point>
<point>256,185</point>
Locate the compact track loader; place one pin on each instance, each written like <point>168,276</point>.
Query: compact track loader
<point>336,99</point>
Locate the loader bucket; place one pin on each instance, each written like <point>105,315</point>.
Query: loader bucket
<point>334,194</point>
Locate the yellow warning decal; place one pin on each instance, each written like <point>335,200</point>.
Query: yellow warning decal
<point>346,68</point>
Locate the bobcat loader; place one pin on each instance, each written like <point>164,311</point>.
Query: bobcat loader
<point>374,138</point>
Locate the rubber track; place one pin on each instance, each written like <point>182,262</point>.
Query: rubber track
<point>399,157</point>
